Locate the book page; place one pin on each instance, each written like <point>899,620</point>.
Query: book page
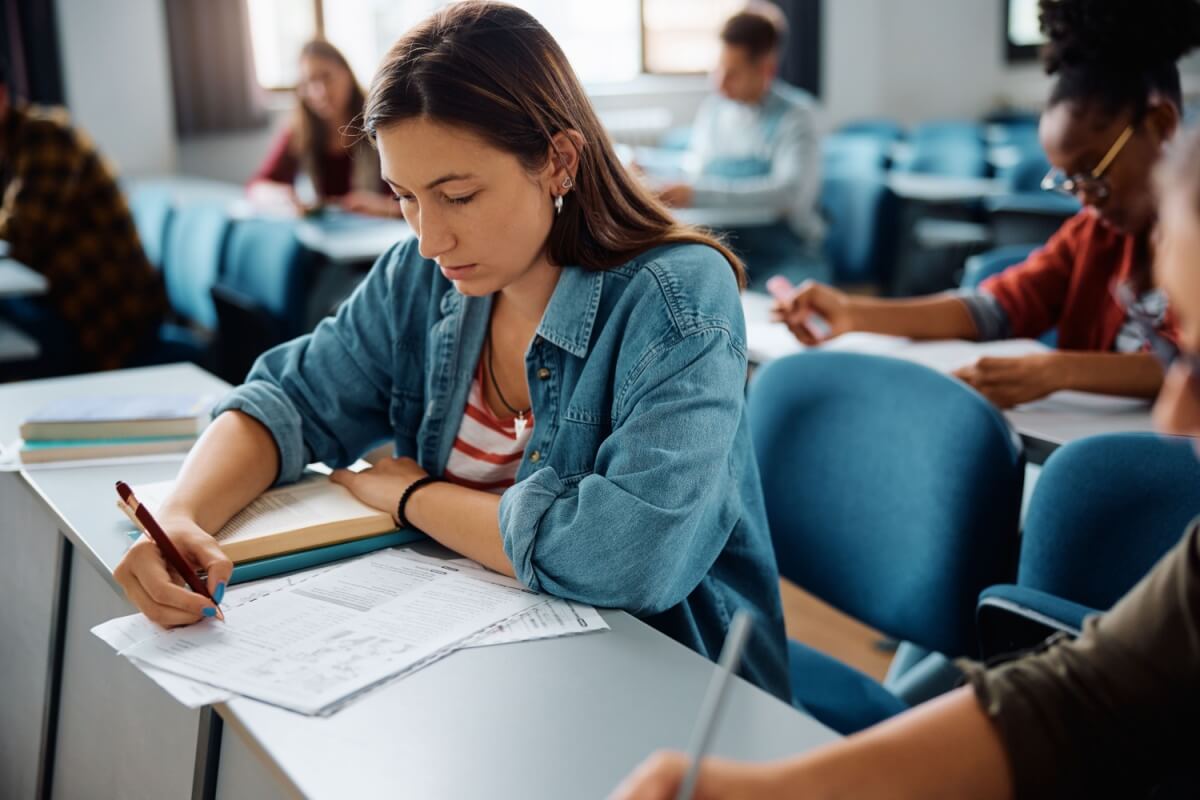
<point>309,502</point>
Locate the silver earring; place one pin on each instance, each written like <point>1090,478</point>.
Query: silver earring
<point>568,183</point>
<point>558,203</point>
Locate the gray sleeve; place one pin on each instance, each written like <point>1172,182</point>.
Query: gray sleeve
<point>990,318</point>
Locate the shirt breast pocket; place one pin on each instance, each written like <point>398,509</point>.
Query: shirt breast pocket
<point>404,413</point>
<point>580,434</point>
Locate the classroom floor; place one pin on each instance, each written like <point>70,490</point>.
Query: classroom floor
<point>825,628</point>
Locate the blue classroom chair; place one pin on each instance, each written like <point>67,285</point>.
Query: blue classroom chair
<point>261,296</point>
<point>1104,511</point>
<point>152,208</point>
<point>192,258</point>
<point>892,493</point>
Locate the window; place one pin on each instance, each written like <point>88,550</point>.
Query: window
<point>1022,31</point>
<point>609,41</point>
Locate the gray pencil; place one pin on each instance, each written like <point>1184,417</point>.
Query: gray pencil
<point>714,698</point>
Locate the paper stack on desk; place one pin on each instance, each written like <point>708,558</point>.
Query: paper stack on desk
<point>312,641</point>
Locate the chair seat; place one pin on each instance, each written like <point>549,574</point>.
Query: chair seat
<point>838,695</point>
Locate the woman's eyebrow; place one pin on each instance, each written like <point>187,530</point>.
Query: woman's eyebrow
<point>453,176</point>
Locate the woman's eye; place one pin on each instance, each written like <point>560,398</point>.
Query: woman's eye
<point>402,198</point>
<point>461,201</point>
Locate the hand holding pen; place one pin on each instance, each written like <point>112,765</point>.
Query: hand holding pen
<point>148,581</point>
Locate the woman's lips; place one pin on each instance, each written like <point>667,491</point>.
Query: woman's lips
<point>457,273</point>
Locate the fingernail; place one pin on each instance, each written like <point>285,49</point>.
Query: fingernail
<point>210,612</point>
<point>219,593</point>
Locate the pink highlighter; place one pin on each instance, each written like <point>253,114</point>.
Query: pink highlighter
<point>782,290</point>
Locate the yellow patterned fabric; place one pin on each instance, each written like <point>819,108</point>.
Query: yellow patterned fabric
<point>63,215</point>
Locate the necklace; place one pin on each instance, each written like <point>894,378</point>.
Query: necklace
<point>520,420</point>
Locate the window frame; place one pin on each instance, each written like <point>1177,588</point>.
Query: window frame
<point>318,7</point>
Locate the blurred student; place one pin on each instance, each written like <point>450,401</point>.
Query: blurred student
<point>1115,104</point>
<point>1111,714</point>
<point>558,364</point>
<point>63,215</point>
<point>754,144</point>
<point>321,144</point>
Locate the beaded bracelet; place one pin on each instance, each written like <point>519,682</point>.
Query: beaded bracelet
<point>401,519</point>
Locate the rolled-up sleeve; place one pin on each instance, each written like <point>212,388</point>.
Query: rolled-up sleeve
<point>660,504</point>
<point>325,396</point>
<point>1113,712</point>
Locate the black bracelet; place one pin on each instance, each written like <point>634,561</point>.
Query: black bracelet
<point>401,519</point>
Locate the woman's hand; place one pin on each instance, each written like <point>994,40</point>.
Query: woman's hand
<point>659,778</point>
<point>382,485</point>
<point>154,588</point>
<point>1009,382</point>
<point>810,298</point>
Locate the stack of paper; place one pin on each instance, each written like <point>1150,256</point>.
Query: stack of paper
<point>314,640</point>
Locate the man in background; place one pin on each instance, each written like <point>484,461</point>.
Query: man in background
<point>63,215</point>
<point>754,146</point>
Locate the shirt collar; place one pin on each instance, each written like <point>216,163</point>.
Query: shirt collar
<point>571,313</point>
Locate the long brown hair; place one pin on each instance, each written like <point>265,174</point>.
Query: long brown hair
<point>311,135</point>
<point>493,69</point>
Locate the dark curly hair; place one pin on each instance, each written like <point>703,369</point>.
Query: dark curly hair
<point>1118,53</point>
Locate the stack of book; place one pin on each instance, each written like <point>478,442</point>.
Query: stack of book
<point>114,426</point>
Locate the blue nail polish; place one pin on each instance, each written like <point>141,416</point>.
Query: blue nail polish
<point>219,593</point>
<point>210,612</point>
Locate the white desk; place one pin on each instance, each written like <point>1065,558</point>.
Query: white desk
<point>18,280</point>
<point>349,238</point>
<point>1043,426</point>
<point>560,718</point>
<point>943,188</point>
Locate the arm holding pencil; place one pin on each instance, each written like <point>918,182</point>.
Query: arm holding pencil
<point>234,461</point>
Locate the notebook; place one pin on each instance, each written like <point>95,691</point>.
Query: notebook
<point>311,513</point>
<point>109,417</point>
<point>43,452</point>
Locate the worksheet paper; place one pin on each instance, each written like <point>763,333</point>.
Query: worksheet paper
<point>312,645</point>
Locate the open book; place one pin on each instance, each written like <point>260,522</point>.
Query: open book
<point>313,512</point>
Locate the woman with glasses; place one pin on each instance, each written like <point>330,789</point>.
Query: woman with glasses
<point>1116,101</point>
<point>322,144</point>
<point>1114,713</point>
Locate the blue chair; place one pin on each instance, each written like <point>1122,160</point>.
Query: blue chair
<point>860,210</point>
<point>892,493</point>
<point>152,208</point>
<point>192,257</point>
<point>992,262</point>
<point>883,129</point>
<point>1104,511</point>
<point>952,149</point>
<point>261,295</point>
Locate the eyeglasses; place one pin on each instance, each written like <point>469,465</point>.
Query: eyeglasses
<point>1160,347</point>
<point>1092,185</point>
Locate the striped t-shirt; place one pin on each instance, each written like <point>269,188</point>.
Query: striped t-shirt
<point>488,451</point>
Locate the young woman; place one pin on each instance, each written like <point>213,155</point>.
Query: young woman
<point>322,143</point>
<point>1108,715</point>
<point>566,359</point>
<point>1115,103</point>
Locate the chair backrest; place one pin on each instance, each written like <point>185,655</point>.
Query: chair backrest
<point>992,262</point>
<point>266,262</point>
<point>192,259</point>
<point>152,207</point>
<point>885,129</point>
<point>892,491</point>
<point>1105,509</point>
<point>863,225</point>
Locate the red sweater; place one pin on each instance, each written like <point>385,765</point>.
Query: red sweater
<point>1068,284</point>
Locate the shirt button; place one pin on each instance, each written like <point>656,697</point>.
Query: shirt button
<point>543,374</point>
<point>535,456</point>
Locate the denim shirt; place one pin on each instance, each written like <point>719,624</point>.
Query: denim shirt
<point>638,490</point>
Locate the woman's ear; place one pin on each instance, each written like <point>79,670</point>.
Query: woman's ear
<point>563,163</point>
<point>1162,118</point>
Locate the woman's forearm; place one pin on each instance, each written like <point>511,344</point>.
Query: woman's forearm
<point>232,463</point>
<point>941,316</point>
<point>946,748</point>
<point>1125,374</point>
<point>465,520</point>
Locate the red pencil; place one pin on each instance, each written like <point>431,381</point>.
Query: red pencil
<point>152,528</point>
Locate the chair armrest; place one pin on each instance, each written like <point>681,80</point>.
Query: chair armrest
<point>1014,618</point>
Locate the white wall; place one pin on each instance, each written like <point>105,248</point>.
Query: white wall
<point>118,80</point>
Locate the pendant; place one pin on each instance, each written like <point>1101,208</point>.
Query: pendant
<point>519,423</point>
